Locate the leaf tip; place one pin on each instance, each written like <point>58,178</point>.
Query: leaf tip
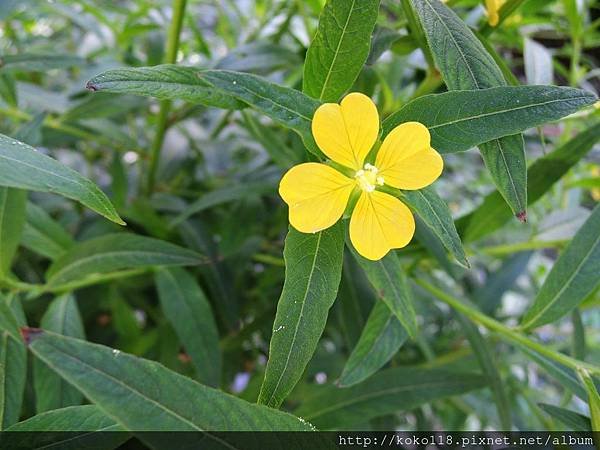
<point>29,334</point>
<point>91,86</point>
<point>522,216</point>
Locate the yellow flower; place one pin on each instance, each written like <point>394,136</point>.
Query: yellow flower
<point>317,194</point>
<point>493,7</point>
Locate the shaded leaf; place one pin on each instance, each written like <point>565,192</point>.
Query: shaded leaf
<point>573,420</point>
<point>390,391</point>
<point>52,392</point>
<point>43,235</point>
<point>572,278</point>
<point>313,270</point>
<point>593,398</point>
<point>380,340</point>
<point>113,252</point>
<point>190,314</point>
<point>22,167</point>
<point>29,62</point>
<point>12,220</point>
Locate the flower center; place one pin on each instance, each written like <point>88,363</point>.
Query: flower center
<point>368,179</point>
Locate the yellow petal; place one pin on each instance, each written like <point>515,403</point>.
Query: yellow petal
<point>316,194</point>
<point>493,7</point>
<point>380,223</point>
<point>406,159</point>
<point>346,132</point>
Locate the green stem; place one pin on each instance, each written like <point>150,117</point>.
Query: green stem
<point>165,105</point>
<point>509,249</point>
<point>505,332</point>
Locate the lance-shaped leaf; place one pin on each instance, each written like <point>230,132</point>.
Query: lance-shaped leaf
<point>165,82</point>
<point>313,271</point>
<point>389,391</point>
<point>340,47</point>
<point>115,252</point>
<point>465,64</point>
<point>286,106</point>
<point>43,235</point>
<point>12,220</point>
<point>189,313</point>
<point>13,361</point>
<point>574,421</point>
<point>380,340</point>
<point>572,278</point>
<point>593,398</point>
<point>434,212</point>
<point>542,175</point>
<point>22,167</point>
<point>390,284</point>
<point>52,392</point>
<point>460,120</point>
<point>157,399</point>
<point>29,62</point>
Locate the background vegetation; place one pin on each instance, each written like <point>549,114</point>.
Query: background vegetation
<point>496,330</point>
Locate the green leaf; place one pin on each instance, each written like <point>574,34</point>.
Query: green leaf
<point>52,392</point>
<point>22,167</point>
<point>164,82</point>
<point>313,270</point>
<point>13,361</point>
<point>219,88</point>
<point>190,314</point>
<point>43,235</point>
<point>542,175</point>
<point>381,338</point>
<point>224,195</point>
<point>434,212</point>
<point>572,278</point>
<point>71,418</point>
<point>67,428</point>
<point>114,252</point>
<point>487,361</point>
<point>12,219</point>
<point>389,391</point>
<point>593,398</point>
<point>340,48</point>
<point>465,64</point>
<point>573,420</point>
<point>169,401</point>
<point>460,120</point>
<point>38,63</point>
<point>389,282</point>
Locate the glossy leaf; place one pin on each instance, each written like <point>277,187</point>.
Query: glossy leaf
<point>391,286</point>
<point>542,175</point>
<point>23,167</point>
<point>572,420</point>
<point>434,212</point>
<point>460,120</point>
<point>13,361</point>
<point>114,252</point>
<point>572,278</point>
<point>157,398</point>
<point>164,82</point>
<point>465,64</point>
<point>12,220</point>
<point>187,309</point>
<point>340,47</point>
<point>392,390</point>
<point>313,272</point>
<point>44,235</point>
<point>52,392</point>
<point>381,338</point>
